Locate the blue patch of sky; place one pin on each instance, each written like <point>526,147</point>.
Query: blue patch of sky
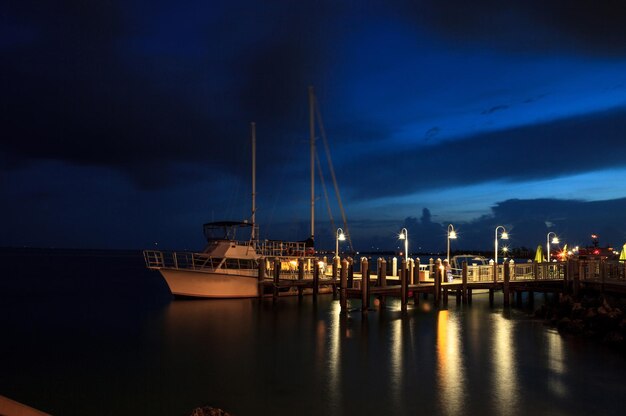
<point>470,202</point>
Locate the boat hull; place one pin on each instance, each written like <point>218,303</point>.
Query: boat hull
<point>203,284</point>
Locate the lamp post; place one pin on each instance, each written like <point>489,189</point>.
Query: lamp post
<point>340,236</point>
<point>555,240</point>
<point>503,236</point>
<point>404,235</point>
<point>451,234</point>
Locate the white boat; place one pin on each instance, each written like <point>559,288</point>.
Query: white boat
<point>232,268</point>
<point>227,267</point>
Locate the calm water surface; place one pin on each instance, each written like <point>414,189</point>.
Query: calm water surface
<point>95,333</point>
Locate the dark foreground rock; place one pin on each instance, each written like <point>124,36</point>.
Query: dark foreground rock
<point>593,316</point>
<point>208,411</point>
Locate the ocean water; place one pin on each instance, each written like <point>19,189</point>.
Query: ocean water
<point>95,333</point>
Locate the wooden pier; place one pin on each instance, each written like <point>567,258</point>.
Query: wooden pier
<point>511,279</point>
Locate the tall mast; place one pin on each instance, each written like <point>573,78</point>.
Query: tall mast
<point>312,134</point>
<point>253,138</point>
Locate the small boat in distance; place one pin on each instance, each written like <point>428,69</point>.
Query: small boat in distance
<point>457,261</point>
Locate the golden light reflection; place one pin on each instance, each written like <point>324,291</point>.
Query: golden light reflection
<point>396,364</point>
<point>556,363</point>
<point>505,366</point>
<point>450,367</point>
<point>334,355</point>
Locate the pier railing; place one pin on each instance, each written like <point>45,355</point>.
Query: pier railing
<point>584,270</point>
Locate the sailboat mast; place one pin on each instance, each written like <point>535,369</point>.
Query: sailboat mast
<point>253,138</point>
<point>312,134</point>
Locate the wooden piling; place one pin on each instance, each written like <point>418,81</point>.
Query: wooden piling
<point>300,276</point>
<point>343,300</point>
<point>300,269</point>
<point>416,279</point>
<point>368,279</point>
<point>491,297</point>
<point>404,275</point>
<point>506,287</point>
<point>350,272</point>
<point>417,270</point>
<point>382,279</point>
<point>261,276</point>
<point>576,283</point>
<point>464,282</point>
<point>438,278</point>
<point>382,273</point>
<point>336,263</point>
<point>316,280</point>
<point>364,285</point>
<point>276,280</point>
<point>518,299</point>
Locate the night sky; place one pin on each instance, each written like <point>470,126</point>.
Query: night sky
<point>126,123</point>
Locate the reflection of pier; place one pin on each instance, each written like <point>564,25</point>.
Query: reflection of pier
<point>510,278</point>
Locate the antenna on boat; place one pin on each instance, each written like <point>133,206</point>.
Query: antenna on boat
<point>253,138</point>
<point>312,134</point>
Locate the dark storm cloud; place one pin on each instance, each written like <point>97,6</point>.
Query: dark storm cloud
<point>564,147</point>
<point>529,221</point>
<point>140,88</point>
<point>594,27</point>
<point>89,86</point>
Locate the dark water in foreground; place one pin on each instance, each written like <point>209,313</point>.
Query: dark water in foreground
<point>94,333</point>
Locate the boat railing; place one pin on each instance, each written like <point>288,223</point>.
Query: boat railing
<point>181,260</point>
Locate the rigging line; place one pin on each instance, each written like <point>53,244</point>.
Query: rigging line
<point>332,173</point>
<point>323,183</point>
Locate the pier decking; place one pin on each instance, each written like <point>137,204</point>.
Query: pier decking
<point>511,279</point>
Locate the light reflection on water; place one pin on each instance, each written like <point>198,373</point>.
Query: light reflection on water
<point>334,356</point>
<point>505,380</point>
<point>297,357</point>
<point>450,368</point>
<point>306,356</point>
<point>556,363</point>
<point>396,363</point>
